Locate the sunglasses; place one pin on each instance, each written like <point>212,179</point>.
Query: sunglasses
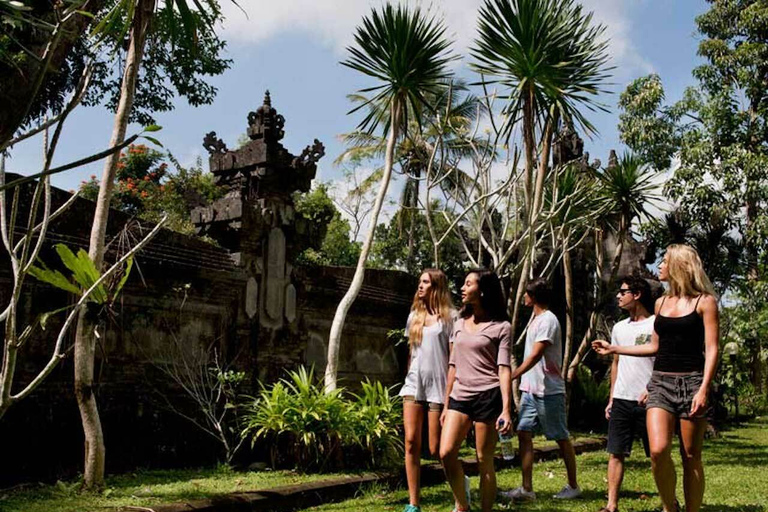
<point>622,291</point>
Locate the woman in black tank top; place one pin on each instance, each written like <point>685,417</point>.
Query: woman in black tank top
<point>685,343</point>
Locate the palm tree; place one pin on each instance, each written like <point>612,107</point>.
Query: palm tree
<point>579,204</point>
<point>628,186</point>
<point>551,60</point>
<point>407,53</point>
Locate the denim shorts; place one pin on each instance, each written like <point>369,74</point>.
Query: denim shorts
<point>674,393</point>
<point>544,414</point>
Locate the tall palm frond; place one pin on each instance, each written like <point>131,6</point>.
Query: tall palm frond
<point>629,186</point>
<point>407,52</point>
<point>547,51</point>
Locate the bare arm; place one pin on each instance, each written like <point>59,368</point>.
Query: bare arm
<point>536,354</point>
<point>614,374</point>
<point>604,348</point>
<point>505,379</point>
<point>449,380</point>
<point>709,312</point>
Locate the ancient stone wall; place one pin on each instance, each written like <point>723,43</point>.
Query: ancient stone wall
<point>183,294</point>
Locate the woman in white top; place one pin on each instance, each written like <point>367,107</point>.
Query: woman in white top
<point>429,328</point>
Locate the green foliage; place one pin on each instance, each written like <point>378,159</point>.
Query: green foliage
<point>407,52</point>
<point>717,130</point>
<point>404,244</point>
<point>84,274</point>
<point>311,428</point>
<point>336,248</point>
<point>721,253</point>
<point>297,410</point>
<point>588,399</point>
<point>544,53</point>
<point>377,415</point>
<point>628,187</point>
<point>182,50</point>
<point>146,188</point>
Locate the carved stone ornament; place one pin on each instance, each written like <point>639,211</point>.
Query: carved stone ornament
<point>213,144</point>
<point>311,154</point>
<point>266,122</point>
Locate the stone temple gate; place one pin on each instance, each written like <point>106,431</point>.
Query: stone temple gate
<point>255,220</point>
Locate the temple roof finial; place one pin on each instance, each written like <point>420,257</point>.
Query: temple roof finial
<point>267,99</point>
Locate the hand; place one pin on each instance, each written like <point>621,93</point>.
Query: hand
<point>602,347</point>
<point>443,415</point>
<point>643,398</point>
<point>608,409</point>
<point>699,402</point>
<point>504,423</point>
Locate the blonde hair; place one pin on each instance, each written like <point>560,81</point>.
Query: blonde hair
<point>686,273</point>
<point>437,300</point>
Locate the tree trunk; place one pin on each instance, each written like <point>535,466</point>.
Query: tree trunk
<point>85,340</point>
<point>568,274</point>
<point>334,339</point>
<point>538,194</point>
<point>17,88</point>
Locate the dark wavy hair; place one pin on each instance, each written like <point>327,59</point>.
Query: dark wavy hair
<point>491,295</point>
<point>540,291</point>
<point>640,285</point>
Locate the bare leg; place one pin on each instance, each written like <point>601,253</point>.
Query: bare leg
<point>434,433</point>
<point>661,427</point>
<point>454,433</point>
<point>691,441</point>
<point>569,457</point>
<point>485,445</point>
<point>413,421</point>
<point>526,458</point>
<point>615,477</point>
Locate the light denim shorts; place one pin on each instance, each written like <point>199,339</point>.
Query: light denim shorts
<point>544,414</point>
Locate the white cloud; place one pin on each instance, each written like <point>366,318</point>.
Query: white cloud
<point>332,23</point>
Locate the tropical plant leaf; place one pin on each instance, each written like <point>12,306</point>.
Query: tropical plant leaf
<point>54,278</point>
<point>83,271</point>
<point>121,283</point>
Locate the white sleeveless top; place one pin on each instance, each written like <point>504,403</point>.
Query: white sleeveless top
<point>428,370</point>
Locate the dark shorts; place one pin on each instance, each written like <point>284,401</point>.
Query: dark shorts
<point>674,393</point>
<point>484,407</point>
<point>627,423</point>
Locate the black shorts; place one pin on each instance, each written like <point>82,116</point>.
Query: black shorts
<point>627,423</point>
<point>484,407</point>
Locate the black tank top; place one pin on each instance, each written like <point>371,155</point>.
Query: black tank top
<point>681,342</point>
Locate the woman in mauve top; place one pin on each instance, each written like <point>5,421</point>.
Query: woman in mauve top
<point>429,329</point>
<point>478,387</point>
<point>685,343</point>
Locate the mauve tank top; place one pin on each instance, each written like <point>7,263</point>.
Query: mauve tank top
<point>681,342</point>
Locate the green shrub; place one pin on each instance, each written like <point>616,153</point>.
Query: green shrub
<point>296,413</point>
<point>588,399</point>
<point>305,427</point>
<point>376,419</point>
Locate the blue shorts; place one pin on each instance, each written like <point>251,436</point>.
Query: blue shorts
<point>544,413</point>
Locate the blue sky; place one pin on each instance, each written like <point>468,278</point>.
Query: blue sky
<point>293,48</point>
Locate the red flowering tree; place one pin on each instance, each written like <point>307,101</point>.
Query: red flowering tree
<point>147,188</point>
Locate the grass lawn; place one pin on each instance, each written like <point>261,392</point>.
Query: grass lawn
<point>736,466</point>
<point>148,488</point>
